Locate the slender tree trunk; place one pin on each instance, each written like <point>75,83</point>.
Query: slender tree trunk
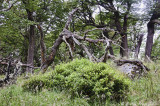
<point>124,40</point>
<point>123,30</point>
<point>111,50</point>
<point>138,46</point>
<point>149,42</point>
<point>25,50</point>
<point>31,46</point>
<point>43,49</point>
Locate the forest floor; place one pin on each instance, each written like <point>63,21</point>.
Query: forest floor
<point>143,92</point>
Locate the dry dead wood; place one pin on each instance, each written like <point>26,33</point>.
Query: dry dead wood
<point>13,69</point>
<point>66,35</point>
<point>57,43</point>
<point>135,62</point>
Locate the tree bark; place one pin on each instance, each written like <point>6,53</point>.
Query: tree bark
<point>150,36</point>
<point>105,32</point>
<point>124,46</point>
<point>58,42</point>
<point>149,42</point>
<point>51,57</point>
<point>138,46</point>
<point>43,49</point>
<point>31,46</point>
<point>122,31</point>
<point>150,26</point>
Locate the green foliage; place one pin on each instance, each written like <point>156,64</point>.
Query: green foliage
<point>82,78</point>
<point>14,27</point>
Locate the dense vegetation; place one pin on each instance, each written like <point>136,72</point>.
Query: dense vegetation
<point>83,78</point>
<point>144,91</point>
<point>69,52</point>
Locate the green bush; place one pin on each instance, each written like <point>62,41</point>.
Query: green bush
<point>82,78</point>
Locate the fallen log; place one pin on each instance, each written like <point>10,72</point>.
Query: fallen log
<point>135,62</point>
<point>132,68</point>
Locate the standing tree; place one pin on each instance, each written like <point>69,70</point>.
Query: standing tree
<point>151,29</point>
<point>31,35</point>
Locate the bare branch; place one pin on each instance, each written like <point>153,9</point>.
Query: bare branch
<point>14,64</point>
<point>91,58</point>
<point>70,50</point>
<point>70,18</point>
<point>94,30</point>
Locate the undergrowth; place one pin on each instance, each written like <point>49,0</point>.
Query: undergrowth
<point>143,92</point>
<point>146,90</point>
<point>14,96</point>
<point>82,78</point>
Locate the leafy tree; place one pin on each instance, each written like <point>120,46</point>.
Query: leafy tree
<point>27,24</point>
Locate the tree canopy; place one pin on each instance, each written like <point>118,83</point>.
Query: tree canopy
<point>40,32</point>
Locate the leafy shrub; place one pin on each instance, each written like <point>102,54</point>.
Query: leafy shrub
<point>83,78</point>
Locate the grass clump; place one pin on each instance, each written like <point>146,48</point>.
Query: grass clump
<point>14,96</point>
<point>146,90</point>
<point>82,78</point>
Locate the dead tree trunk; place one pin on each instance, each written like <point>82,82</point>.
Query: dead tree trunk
<point>57,43</point>
<point>68,35</point>
<point>13,69</point>
<point>135,62</point>
<point>52,55</point>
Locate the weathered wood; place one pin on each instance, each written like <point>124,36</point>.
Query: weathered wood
<point>135,62</point>
<point>91,58</point>
<point>14,64</point>
<point>59,40</point>
<point>68,35</point>
<point>69,47</point>
<point>7,76</point>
